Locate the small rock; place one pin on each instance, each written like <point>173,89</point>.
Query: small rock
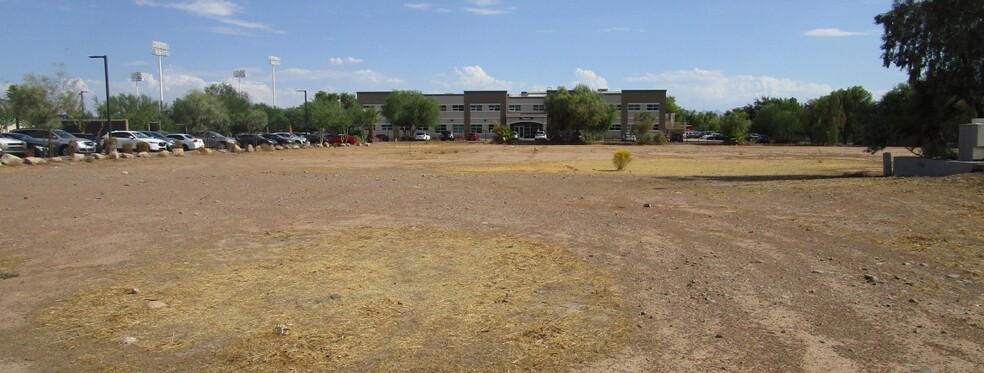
<point>953,276</point>
<point>155,304</point>
<point>719,335</point>
<point>281,329</point>
<point>134,291</point>
<point>335,297</point>
<point>647,205</point>
<point>907,264</point>
<point>871,278</point>
<point>817,271</point>
<point>129,341</point>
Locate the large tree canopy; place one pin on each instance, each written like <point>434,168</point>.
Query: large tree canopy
<point>138,110</point>
<point>410,109</point>
<point>580,109</point>
<point>201,112</point>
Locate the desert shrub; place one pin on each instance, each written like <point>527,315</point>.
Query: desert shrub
<point>128,148</point>
<point>503,134</point>
<point>621,158</point>
<point>109,144</point>
<point>659,138</point>
<point>143,147</point>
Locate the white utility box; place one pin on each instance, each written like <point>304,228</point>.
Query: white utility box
<point>970,144</point>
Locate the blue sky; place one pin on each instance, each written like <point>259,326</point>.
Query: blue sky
<point>710,54</point>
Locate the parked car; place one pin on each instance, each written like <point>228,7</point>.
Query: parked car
<point>188,142</point>
<point>540,136</point>
<point>215,140</point>
<point>447,135</point>
<point>577,138</point>
<point>279,140</point>
<point>295,139</point>
<point>10,145</point>
<point>134,138</point>
<point>313,138</point>
<point>471,137</point>
<point>382,137</point>
<point>60,140</point>
<point>338,139</point>
<point>253,139</point>
<point>40,146</point>
<point>421,136</point>
<point>712,136</point>
<point>629,137</point>
<point>160,136</point>
<point>676,137</point>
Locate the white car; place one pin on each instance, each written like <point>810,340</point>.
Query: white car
<point>421,136</point>
<point>299,140</point>
<point>188,142</point>
<point>135,137</point>
<point>540,136</point>
<point>12,146</point>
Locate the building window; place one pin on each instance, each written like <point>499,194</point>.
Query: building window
<point>539,108</point>
<point>491,126</point>
<point>458,128</point>
<point>444,107</point>
<point>495,107</point>
<point>652,107</point>
<point>616,127</point>
<point>457,107</point>
<point>515,108</point>
<point>386,127</point>
<point>656,127</point>
<point>442,127</point>
<point>635,107</point>
<point>475,107</point>
<point>476,128</point>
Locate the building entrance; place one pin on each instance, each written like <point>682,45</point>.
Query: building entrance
<point>526,130</point>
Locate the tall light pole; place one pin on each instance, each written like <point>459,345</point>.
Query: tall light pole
<point>305,108</point>
<point>161,50</point>
<point>136,78</point>
<point>82,99</point>
<point>109,115</point>
<point>239,74</point>
<point>274,61</point>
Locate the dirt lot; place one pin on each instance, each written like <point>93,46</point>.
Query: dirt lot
<point>475,257</point>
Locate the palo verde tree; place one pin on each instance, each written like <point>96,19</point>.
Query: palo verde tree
<point>940,43</point>
<point>201,112</point>
<point>139,111</point>
<point>408,110</point>
<point>642,123</point>
<point>580,109</point>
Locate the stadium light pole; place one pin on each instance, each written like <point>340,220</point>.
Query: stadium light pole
<point>239,74</point>
<point>109,115</point>
<point>274,61</point>
<point>136,78</point>
<point>305,108</point>
<point>161,50</point>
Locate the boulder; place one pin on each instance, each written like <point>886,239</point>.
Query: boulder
<point>164,154</point>
<point>34,160</point>
<point>295,146</point>
<point>318,145</point>
<point>113,154</point>
<point>278,147</point>
<point>56,159</point>
<point>249,148</point>
<point>98,156</point>
<point>127,156</point>
<point>266,147</point>
<point>11,160</point>
<point>143,155</point>
<point>178,152</point>
<point>77,157</point>
<point>235,148</point>
<point>205,151</point>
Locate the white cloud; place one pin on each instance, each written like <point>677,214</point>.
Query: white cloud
<point>713,90</point>
<point>616,29</point>
<point>589,78</point>
<point>418,6</point>
<point>219,10</point>
<point>474,77</point>
<point>488,11</point>
<point>345,61</point>
<point>374,78</point>
<point>830,32</point>
<point>484,3</point>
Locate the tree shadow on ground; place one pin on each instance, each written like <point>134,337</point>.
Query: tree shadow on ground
<point>766,178</point>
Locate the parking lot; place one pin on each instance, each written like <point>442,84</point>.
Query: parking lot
<point>476,257</point>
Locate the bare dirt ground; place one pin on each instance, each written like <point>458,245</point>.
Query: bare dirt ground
<point>476,257</point>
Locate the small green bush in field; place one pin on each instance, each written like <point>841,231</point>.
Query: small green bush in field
<point>621,158</point>
<point>128,148</point>
<point>143,147</point>
<point>659,138</point>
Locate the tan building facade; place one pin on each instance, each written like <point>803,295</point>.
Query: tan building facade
<point>477,111</point>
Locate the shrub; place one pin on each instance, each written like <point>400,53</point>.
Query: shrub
<point>659,138</point>
<point>621,158</point>
<point>128,148</point>
<point>109,144</point>
<point>143,147</point>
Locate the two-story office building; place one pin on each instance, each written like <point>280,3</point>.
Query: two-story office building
<point>477,111</point>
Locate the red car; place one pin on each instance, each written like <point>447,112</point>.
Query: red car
<point>338,139</point>
<point>471,137</point>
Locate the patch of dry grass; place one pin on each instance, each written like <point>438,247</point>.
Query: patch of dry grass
<point>363,299</point>
<point>679,167</point>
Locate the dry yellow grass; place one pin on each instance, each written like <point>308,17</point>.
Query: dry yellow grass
<point>359,300</point>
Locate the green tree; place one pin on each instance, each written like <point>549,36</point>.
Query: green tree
<point>201,112</point>
<point>276,117</point>
<point>858,106</point>
<point>42,101</point>
<point>256,120</point>
<point>407,110</point>
<point>236,103</point>
<point>781,119</point>
<point>138,110</point>
<point>824,119</point>
<point>734,126</point>
<point>642,123</point>
<point>365,120</point>
<point>940,44</point>
<point>328,112</point>
<point>581,109</point>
